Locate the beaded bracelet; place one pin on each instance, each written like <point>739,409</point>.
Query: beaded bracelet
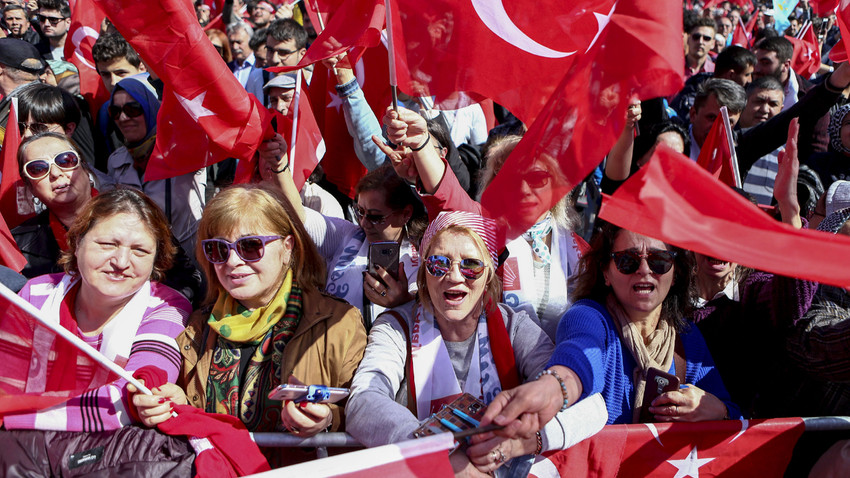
<point>560,382</point>
<point>539,444</point>
<point>427,140</point>
<point>284,168</point>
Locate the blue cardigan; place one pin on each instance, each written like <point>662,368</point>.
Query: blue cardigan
<point>588,343</point>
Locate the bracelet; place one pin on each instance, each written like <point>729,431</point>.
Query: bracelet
<point>284,168</point>
<point>427,140</point>
<point>560,382</point>
<point>539,444</point>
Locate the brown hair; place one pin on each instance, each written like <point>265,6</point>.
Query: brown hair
<point>226,55</point>
<point>122,200</point>
<point>493,288</point>
<point>25,144</point>
<point>269,210</point>
<point>397,195</point>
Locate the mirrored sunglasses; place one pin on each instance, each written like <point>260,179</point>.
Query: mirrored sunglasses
<point>438,266</point>
<point>248,248</point>
<point>659,261</point>
<point>40,168</point>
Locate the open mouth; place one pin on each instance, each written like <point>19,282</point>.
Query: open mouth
<point>116,275</point>
<point>643,288</point>
<point>454,297</point>
<point>716,262</point>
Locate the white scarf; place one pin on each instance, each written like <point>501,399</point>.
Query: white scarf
<point>433,375</point>
<point>519,289</point>
<point>345,274</point>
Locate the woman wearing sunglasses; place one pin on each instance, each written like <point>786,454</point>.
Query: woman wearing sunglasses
<point>457,339</point>
<point>265,320</point>
<point>134,108</point>
<point>628,318</point>
<point>55,175</point>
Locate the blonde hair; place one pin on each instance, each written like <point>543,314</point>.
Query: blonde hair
<point>493,288</point>
<point>270,210</point>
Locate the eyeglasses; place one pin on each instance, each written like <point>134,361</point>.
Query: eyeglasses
<point>536,179</point>
<point>659,262</point>
<point>132,109</point>
<point>40,168</point>
<point>375,219</point>
<point>438,266</point>
<point>52,20</point>
<point>35,128</point>
<point>705,38</point>
<point>282,54</point>
<point>248,248</point>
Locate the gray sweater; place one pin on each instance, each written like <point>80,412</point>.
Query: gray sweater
<point>374,417</point>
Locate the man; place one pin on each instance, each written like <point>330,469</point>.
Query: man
<point>243,66</point>
<point>115,59</point>
<point>262,14</point>
<point>710,97</point>
<point>18,24</point>
<point>700,43</point>
<point>54,17</point>
<point>280,91</point>
<point>286,43</point>
<point>20,64</point>
<point>773,58</point>
<point>764,101</point>
<point>724,27</point>
<point>258,46</point>
<point>734,63</point>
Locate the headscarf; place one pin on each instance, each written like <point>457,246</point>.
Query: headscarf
<point>484,227</point>
<point>140,90</point>
<point>835,129</point>
<point>834,222</point>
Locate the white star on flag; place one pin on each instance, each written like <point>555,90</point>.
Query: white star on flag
<point>690,465</point>
<point>195,106</point>
<point>335,103</point>
<point>602,22</point>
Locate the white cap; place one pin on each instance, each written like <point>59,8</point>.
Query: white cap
<point>286,81</point>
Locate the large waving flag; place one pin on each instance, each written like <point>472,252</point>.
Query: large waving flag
<point>672,199</point>
<point>86,18</point>
<point>782,9</point>
<point>715,448</point>
<point>206,115</point>
<point>639,52</point>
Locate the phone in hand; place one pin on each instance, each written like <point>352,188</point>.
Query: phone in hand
<point>657,382</point>
<point>308,393</point>
<point>386,255</point>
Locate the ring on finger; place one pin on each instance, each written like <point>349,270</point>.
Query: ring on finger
<point>383,293</point>
<point>494,455</point>
<point>501,458</point>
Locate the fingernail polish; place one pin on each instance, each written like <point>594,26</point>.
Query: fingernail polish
<point>161,401</point>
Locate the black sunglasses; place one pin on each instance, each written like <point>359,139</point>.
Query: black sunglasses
<point>536,179</point>
<point>659,261</point>
<point>35,128</point>
<point>375,219</point>
<point>705,38</point>
<point>248,248</point>
<point>52,20</point>
<point>132,109</point>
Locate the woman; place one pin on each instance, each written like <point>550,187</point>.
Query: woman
<point>221,44</point>
<point>457,332</point>
<point>628,318</point>
<point>55,174</point>
<point>386,211</point>
<point>134,108</point>
<point>265,315</point>
<point>119,247</point>
<point>543,258</point>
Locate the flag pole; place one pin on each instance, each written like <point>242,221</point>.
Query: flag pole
<point>296,103</point>
<point>321,25</point>
<point>391,51</point>
<point>73,339</point>
<point>730,139</point>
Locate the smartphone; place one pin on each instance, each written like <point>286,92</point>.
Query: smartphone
<point>384,254</point>
<point>308,393</point>
<point>657,382</point>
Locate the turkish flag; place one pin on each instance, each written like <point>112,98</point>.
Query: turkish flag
<point>40,367</point>
<point>86,18</point>
<point>740,36</point>
<point>745,4</point>
<point>674,200</point>
<point>409,459</point>
<point>206,115</point>
<point>15,203</point>
<point>716,154</point>
<point>713,448</point>
<point>638,53</point>
<point>806,58</point>
<point>823,8</point>
<point>751,25</point>
<point>463,52</point>
<point>352,27</point>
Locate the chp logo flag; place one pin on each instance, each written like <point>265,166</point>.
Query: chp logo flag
<point>678,450</point>
<point>86,18</point>
<point>206,115</point>
<point>638,52</point>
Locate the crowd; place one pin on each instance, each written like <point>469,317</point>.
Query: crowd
<point>229,290</point>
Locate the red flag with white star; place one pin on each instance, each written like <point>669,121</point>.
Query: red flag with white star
<point>740,36</point>
<point>806,58</point>
<point>86,17</point>
<point>702,449</point>
<point>206,115</point>
<point>717,154</point>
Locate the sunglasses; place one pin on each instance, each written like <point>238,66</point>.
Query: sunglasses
<point>375,219</point>
<point>438,266</point>
<point>248,248</point>
<point>659,262</point>
<point>35,128</point>
<point>40,168</point>
<point>536,179</point>
<point>705,38</point>
<point>132,109</point>
<point>52,20</point>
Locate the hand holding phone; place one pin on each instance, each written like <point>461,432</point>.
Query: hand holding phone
<point>308,393</point>
<point>386,255</point>
<point>657,383</point>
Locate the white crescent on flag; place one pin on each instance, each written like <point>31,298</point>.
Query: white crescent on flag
<point>495,18</point>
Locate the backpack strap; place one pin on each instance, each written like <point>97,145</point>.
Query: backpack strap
<point>408,367</point>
